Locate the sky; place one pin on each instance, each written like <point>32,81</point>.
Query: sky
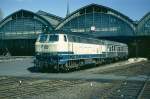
<point>134,9</point>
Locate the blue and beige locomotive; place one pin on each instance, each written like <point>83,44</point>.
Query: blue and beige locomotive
<point>64,51</point>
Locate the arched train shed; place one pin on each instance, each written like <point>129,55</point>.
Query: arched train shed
<point>102,22</point>
<point>19,31</point>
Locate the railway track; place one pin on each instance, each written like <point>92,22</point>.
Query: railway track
<point>126,90</point>
<point>131,89</point>
<point>142,68</point>
<point>145,91</point>
<point>11,88</point>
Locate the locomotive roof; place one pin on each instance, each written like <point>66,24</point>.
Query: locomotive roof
<point>79,34</point>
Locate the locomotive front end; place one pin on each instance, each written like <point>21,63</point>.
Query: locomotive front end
<point>48,48</point>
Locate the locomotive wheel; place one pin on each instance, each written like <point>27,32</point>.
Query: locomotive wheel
<point>57,68</point>
<point>66,67</point>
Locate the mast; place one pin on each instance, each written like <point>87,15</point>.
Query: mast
<point>68,10</point>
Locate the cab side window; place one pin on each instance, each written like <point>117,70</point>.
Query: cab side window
<point>65,38</point>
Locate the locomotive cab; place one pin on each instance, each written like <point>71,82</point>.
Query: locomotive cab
<point>44,38</point>
<point>51,43</point>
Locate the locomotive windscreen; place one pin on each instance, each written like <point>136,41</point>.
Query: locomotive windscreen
<point>53,38</point>
<point>42,38</point>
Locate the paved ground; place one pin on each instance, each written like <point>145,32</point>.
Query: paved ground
<point>16,67</point>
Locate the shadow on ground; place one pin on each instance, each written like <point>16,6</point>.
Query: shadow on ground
<point>34,69</point>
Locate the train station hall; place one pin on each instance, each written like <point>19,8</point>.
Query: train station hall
<point>19,30</point>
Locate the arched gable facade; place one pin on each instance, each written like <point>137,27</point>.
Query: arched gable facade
<point>143,27</point>
<point>99,20</point>
<point>22,24</point>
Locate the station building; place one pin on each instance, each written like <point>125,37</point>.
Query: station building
<point>21,28</point>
